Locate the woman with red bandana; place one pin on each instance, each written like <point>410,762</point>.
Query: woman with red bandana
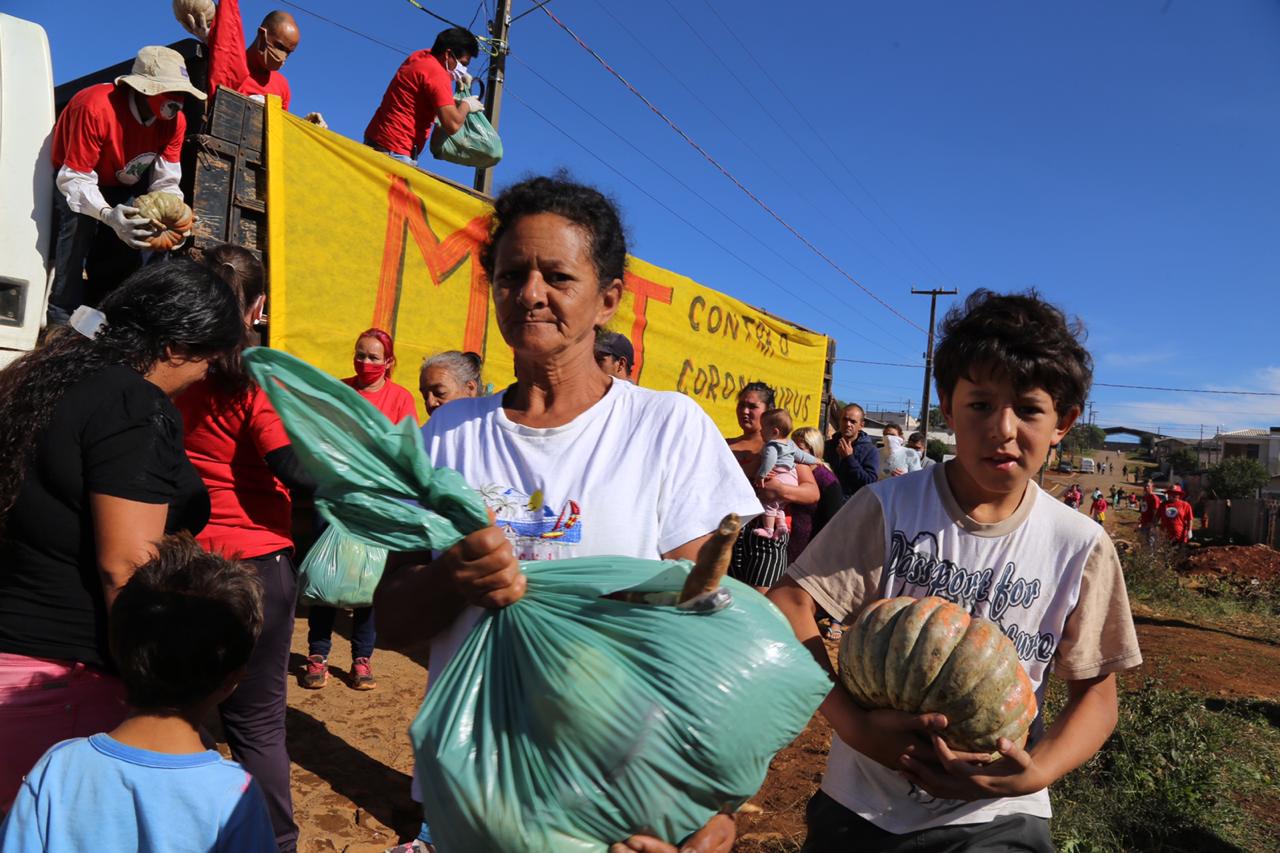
<point>375,358</point>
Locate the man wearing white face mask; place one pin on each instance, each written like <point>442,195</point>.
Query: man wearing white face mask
<point>255,70</point>
<point>422,92</point>
<point>113,142</point>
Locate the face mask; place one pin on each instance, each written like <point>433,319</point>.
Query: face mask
<point>165,105</point>
<point>459,72</point>
<point>369,372</point>
<point>272,58</point>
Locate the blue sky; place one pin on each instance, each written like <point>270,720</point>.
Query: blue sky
<point>1120,157</point>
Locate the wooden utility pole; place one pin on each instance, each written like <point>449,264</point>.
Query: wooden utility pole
<point>499,29</point>
<point>928,356</point>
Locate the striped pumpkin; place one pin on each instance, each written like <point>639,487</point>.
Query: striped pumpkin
<point>927,655</point>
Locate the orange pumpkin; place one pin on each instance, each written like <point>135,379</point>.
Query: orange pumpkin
<point>927,655</point>
<point>169,215</point>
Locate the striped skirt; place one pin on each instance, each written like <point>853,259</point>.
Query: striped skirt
<point>758,561</point>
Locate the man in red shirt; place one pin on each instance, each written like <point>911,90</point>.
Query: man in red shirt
<point>252,71</point>
<point>1176,517</point>
<point>113,142</point>
<point>422,92</point>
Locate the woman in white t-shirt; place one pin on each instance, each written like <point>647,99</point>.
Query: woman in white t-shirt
<point>570,461</point>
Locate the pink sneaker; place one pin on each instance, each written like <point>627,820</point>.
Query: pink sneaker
<point>763,533</point>
<point>316,674</point>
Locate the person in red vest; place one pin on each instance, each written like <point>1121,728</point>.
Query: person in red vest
<point>1149,513</point>
<point>1176,517</point>
<point>252,71</point>
<point>113,142</point>
<point>422,92</point>
<point>375,358</point>
<point>1098,509</point>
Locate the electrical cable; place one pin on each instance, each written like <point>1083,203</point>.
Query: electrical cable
<point>365,36</point>
<point>1188,390</point>
<point>831,151</point>
<point>724,171</point>
<point>801,190</point>
<point>675,213</point>
<point>489,45</point>
<point>661,167</point>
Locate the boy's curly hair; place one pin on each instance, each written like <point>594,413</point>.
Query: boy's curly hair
<point>1020,336</point>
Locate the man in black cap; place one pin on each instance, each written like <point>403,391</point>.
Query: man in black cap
<point>615,355</point>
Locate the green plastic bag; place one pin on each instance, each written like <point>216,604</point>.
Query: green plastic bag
<point>475,144</point>
<point>568,720</point>
<point>340,570</point>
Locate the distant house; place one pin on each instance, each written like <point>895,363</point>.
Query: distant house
<point>1261,445</point>
<point>902,419</point>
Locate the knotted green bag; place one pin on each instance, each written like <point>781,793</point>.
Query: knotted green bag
<point>568,720</point>
<point>475,144</point>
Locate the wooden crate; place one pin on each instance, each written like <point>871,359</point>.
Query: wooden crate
<point>227,169</point>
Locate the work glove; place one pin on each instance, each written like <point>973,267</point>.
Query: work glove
<point>316,119</point>
<point>195,16</point>
<point>474,104</point>
<point>133,230</point>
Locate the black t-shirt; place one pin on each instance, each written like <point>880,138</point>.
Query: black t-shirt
<point>113,433</point>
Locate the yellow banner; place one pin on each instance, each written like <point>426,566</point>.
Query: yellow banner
<point>356,239</point>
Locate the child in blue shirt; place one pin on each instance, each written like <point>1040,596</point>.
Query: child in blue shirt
<point>181,632</point>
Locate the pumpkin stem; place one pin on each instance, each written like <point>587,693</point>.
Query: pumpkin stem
<point>712,563</point>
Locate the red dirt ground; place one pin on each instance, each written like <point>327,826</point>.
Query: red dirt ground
<point>1250,562</point>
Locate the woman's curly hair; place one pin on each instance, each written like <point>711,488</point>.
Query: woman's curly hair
<point>1019,336</point>
<point>178,306</point>
<point>584,206</point>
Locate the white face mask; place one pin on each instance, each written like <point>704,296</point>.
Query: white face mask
<point>459,72</point>
<point>170,109</point>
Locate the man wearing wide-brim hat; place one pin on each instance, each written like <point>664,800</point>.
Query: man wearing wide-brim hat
<point>112,143</point>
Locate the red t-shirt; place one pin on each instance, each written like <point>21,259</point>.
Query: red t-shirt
<point>229,59</point>
<point>227,438</point>
<point>1176,519</point>
<point>391,399</point>
<point>98,133</point>
<point>1149,504</point>
<point>413,97</point>
<point>1099,505</point>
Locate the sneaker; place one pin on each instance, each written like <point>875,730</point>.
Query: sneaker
<point>362,675</point>
<point>763,533</point>
<point>316,675</point>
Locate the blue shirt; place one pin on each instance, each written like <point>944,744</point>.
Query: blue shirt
<point>96,793</point>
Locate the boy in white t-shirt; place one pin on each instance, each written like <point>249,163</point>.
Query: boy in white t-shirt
<point>1012,379</point>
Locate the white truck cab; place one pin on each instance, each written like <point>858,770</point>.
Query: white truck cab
<point>26,213</point>
<point>1087,466</point>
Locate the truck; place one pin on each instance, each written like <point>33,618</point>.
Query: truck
<point>406,258</point>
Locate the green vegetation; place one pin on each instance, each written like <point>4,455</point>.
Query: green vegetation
<point>1175,776</point>
<point>1181,772</point>
<point>1083,437</point>
<point>1184,461</point>
<point>1238,477</point>
<point>936,449</point>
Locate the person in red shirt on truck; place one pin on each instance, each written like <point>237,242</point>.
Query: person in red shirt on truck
<point>422,92</point>
<point>112,142</point>
<point>1176,517</point>
<point>252,71</point>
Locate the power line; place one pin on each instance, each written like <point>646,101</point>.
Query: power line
<point>401,50</point>
<point>880,363</point>
<point>724,171</point>
<point>701,197</point>
<point>710,48</point>
<point>674,212</point>
<point>822,139</point>
<point>1188,390</point>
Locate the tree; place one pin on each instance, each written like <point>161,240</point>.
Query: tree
<point>1184,461</point>
<point>936,420</point>
<point>1238,477</point>
<point>1084,437</point>
<point>936,449</point>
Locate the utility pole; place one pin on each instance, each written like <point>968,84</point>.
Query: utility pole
<point>928,356</point>
<point>499,29</point>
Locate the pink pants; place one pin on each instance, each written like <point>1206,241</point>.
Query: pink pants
<point>43,702</point>
<point>786,476</point>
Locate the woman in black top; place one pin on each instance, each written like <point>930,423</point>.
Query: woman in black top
<point>92,472</point>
